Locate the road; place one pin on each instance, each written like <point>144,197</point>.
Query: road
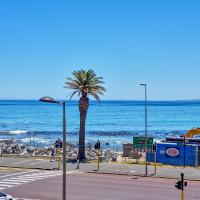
<point>83,186</point>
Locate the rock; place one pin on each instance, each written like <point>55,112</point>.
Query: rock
<point>7,142</point>
<point>29,150</point>
<point>10,146</point>
<point>18,148</point>
<point>22,146</point>
<point>24,153</point>
<point>9,150</point>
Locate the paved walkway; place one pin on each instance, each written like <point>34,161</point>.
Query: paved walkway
<point>113,168</point>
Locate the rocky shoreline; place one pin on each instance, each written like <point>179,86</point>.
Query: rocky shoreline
<point>11,147</point>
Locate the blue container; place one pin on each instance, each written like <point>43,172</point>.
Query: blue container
<point>173,154</point>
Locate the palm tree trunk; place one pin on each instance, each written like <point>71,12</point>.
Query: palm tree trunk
<point>83,107</point>
<point>82,136</point>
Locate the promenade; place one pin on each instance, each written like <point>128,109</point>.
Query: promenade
<point>105,168</point>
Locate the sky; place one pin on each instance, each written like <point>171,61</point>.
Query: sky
<point>127,42</point>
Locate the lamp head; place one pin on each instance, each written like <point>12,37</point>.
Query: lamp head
<point>143,84</point>
<point>48,99</point>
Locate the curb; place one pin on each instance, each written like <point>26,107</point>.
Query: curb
<point>139,175</point>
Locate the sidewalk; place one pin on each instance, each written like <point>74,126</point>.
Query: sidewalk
<point>107,168</point>
<point>139,170</point>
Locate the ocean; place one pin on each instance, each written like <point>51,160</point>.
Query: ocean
<point>112,122</point>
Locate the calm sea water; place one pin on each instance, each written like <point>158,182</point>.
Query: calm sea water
<point>112,122</point>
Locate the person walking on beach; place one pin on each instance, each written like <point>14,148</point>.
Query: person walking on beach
<point>52,155</point>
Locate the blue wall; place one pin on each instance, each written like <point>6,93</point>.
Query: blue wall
<point>163,157</point>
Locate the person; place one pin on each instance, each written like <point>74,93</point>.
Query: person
<point>56,144</point>
<point>59,143</point>
<point>52,155</point>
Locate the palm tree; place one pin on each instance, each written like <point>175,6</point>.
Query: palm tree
<point>84,83</point>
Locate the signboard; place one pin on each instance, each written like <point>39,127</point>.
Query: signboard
<point>172,152</point>
<point>127,148</point>
<point>139,142</point>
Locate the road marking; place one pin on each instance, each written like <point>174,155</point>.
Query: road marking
<point>17,174</point>
<point>38,177</point>
<point>17,179</point>
<point>9,181</point>
<point>5,185</point>
<point>43,173</point>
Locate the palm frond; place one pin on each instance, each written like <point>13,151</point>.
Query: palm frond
<point>95,96</point>
<point>73,93</point>
<point>86,81</point>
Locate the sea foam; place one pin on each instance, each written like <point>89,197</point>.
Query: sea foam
<point>17,132</point>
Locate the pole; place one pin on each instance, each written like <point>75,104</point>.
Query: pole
<point>184,153</point>
<point>98,159</point>
<point>146,170</point>
<point>182,186</point>
<point>34,140</point>
<point>78,161</point>
<point>155,164</point>
<point>30,141</point>
<point>59,157</point>
<point>64,153</point>
<point>182,194</point>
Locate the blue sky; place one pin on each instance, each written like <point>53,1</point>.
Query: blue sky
<point>126,42</point>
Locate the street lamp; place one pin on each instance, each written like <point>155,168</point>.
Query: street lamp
<point>145,90</point>
<point>51,100</point>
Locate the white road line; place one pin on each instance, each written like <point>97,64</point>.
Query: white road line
<point>9,182</point>
<point>36,173</point>
<point>38,177</point>
<point>33,175</point>
<point>23,178</point>
<point>44,175</point>
<point>5,185</point>
<point>22,181</point>
<point>17,174</point>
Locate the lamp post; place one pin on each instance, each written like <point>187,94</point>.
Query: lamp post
<point>51,100</point>
<point>145,91</point>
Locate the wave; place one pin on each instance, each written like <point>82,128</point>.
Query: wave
<point>15,132</point>
<point>36,140</point>
<point>156,134</point>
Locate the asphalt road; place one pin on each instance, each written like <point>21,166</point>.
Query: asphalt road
<point>82,186</point>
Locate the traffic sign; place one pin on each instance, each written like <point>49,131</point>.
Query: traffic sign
<point>139,142</point>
